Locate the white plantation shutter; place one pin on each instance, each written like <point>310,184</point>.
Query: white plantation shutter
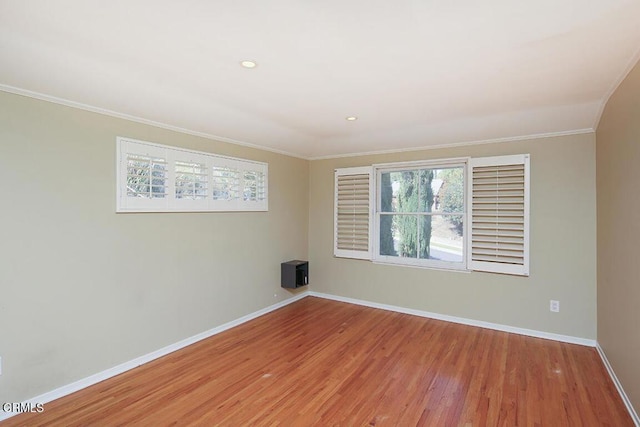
<point>191,180</point>
<point>226,183</point>
<point>146,176</point>
<point>143,176</point>
<point>352,213</point>
<point>238,185</point>
<point>499,205</point>
<point>253,186</point>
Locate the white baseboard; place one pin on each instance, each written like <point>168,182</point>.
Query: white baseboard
<point>614,378</point>
<point>126,366</point>
<point>461,320</point>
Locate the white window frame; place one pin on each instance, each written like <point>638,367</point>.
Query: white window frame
<point>169,203</point>
<point>379,169</point>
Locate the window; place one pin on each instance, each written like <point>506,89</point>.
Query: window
<point>455,214</point>
<point>159,178</point>
<point>419,214</point>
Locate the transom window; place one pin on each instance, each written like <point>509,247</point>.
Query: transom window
<point>160,178</point>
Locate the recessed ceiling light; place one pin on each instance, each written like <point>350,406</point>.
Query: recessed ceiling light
<point>351,118</point>
<point>248,64</point>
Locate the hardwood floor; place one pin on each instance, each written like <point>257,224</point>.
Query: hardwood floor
<point>320,362</point>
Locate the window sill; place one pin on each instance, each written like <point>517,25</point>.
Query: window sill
<point>461,269</point>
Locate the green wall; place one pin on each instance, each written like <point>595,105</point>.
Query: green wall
<point>618,177</point>
<point>563,246</point>
<point>84,289</point>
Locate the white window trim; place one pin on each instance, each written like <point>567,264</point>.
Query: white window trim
<point>125,204</point>
<point>378,169</point>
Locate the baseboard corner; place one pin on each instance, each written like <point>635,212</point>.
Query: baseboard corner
<point>618,384</point>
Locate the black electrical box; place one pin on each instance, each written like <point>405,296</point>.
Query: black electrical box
<point>294,273</point>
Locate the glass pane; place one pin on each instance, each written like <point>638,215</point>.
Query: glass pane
<point>253,185</point>
<point>399,191</point>
<point>398,234</point>
<point>447,187</point>
<point>441,238</point>
<point>250,188</point>
<point>388,240</point>
<point>157,191</point>
<point>423,190</point>
<point>226,183</point>
<point>146,177</point>
<point>191,180</point>
<point>436,237</point>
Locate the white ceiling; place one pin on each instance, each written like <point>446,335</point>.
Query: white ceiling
<point>417,73</point>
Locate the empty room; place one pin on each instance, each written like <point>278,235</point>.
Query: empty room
<point>304,213</point>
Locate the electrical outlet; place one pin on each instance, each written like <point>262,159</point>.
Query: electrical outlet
<point>554,306</point>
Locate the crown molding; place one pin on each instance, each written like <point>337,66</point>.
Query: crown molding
<point>460,144</point>
<point>111,113</point>
<point>625,72</point>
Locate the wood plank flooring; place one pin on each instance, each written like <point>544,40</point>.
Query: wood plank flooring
<point>326,363</point>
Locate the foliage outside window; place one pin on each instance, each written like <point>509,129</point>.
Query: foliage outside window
<point>420,215</point>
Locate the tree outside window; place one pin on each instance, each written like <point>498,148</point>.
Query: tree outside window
<point>421,214</point>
